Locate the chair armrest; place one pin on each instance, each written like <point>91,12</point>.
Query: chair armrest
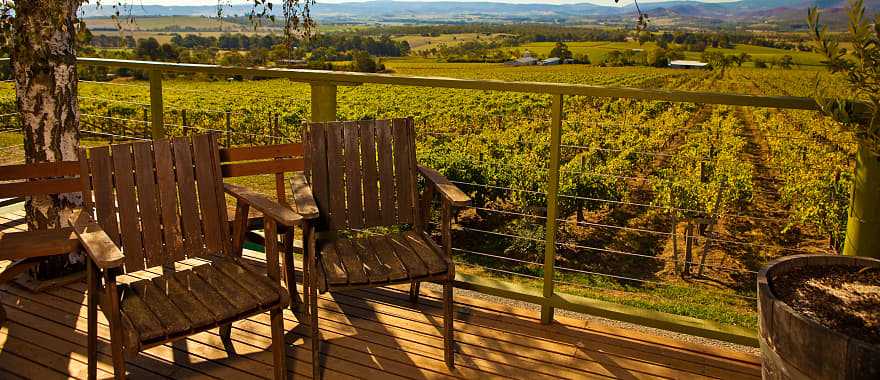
<point>268,206</point>
<point>303,199</point>
<point>97,244</point>
<point>446,189</point>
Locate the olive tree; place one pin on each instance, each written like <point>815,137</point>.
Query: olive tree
<point>859,112</point>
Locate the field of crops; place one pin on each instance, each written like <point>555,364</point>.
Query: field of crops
<point>597,51</point>
<point>638,177</point>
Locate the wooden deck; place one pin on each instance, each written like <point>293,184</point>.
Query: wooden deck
<point>368,334</point>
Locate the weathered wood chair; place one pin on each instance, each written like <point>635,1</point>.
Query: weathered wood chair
<point>163,204</point>
<point>27,248</point>
<point>361,175</point>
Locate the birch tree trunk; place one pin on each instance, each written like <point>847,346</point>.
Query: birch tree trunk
<point>44,69</point>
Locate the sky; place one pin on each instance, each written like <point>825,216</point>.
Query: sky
<point>600,2</point>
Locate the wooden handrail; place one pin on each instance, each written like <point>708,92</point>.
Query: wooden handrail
<point>339,77</point>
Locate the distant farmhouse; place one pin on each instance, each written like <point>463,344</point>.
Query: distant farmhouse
<point>683,64</point>
<point>525,60</point>
<point>528,60</point>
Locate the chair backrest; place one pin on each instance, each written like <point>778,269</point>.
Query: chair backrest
<point>161,201</point>
<point>261,160</point>
<point>363,173</point>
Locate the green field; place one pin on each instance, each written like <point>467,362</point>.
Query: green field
<point>628,166</point>
<point>597,51</point>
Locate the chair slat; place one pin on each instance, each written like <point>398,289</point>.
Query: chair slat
<point>39,170</point>
<point>352,262</point>
<point>376,271</point>
<point>102,182</point>
<point>183,166</point>
<point>370,176</point>
<point>148,198</point>
<point>353,196</point>
<point>333,266</point>
<point>207,193</point>
<point>168,200</point>
<point>430,256</point>
<point>385,253</point>
<point>219,307</point>
<point>243,169</point>
<point>169,316</point>
<point>195,311</point>
<point>126,199</point>
<point>222,214</point>
<point>228,289</point>
<point>418,219</point>
<point>386,172</point>
<point>336,175</point>
<point>262,152</point>
<point>319,169</point>
<point>403,171</point>
<point>414,265</point>
<point>40,187</point>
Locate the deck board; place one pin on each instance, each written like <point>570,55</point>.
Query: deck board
<point>368,333</point>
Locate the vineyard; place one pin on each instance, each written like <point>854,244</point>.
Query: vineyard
<point>665,206</point>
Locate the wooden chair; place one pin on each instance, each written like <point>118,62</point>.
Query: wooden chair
<point>27,248</point>
<point>156,212</point>
<point>361,175</point>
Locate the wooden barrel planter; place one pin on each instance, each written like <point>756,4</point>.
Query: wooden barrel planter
<point>796,347</point>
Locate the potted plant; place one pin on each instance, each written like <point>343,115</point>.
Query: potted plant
<point>819,317</point>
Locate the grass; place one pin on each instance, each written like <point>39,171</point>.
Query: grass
<point>722,306</point>
<point>419,42</point>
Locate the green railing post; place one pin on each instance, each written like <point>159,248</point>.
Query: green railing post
<point>323,102</point>
<point>552,207</point>
<point>157,126</point>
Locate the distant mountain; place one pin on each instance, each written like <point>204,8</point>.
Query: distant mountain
<point>791,12</point>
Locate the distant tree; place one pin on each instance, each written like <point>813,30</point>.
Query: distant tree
<point>582,58</point>
<point>561,51</point>
<point>148,48</point>
<point>786,62</point>
<point>741,58</point>
<point>364,62</point>
<point>718,61</point>
<point>657,58</point>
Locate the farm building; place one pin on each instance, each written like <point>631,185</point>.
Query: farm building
<point>525,60</point>
<point>551,61</point>
<point>684,64</point>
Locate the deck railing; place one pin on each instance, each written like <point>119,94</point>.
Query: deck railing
<point>323,107</point>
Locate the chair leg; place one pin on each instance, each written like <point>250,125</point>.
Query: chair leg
<point>448,331</point>
<point>414,292</point>
<point>226,338</point>
<point>118,354</point>
<point>296,305</point>
<point>92,319</point>
<point>279,348</point>
<point>316,335</point>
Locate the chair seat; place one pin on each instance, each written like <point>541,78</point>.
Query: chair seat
<point>186,301</point>
<point>379,260</point>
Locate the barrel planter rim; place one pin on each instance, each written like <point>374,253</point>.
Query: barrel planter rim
<point>772,306</point>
